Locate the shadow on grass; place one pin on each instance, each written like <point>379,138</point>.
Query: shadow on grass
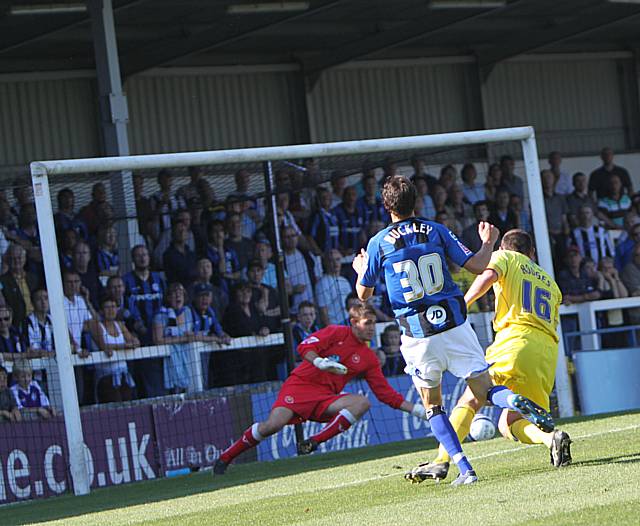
<point>103,499</point>
<point>620,459</point>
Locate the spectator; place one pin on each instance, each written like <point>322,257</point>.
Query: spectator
<point>164,242</point>
<point>23,195</point>
<point>470,237</point>
<point>301,275</point>
<point>428,210</point>
<point>205,321</point>
<point>11,344</point>
<point>263,298</point>
<point>473,192</point>
<point>419,172</point>
<point>114,382</point>
<point>38,327</point>
<point>206,327</point>
<point>338,184</point>
<point>614,204</point>
<point>144,211</point>
<point>323,225</point>
<point>624,248</point>
<point>242,246</point>
<point>16,285</point>
<point>556,212</point>
<point>502,216</point>
<point>192,192</point>
<point>439,196</point>
<point>611,286</point>
<point>457,208</point>
<point>578,198</point>
<point>65,217</point>
<point>242,319</point>
<point>305,324</point>
<point>224,260</point>
<point>493,182</point>
<point>242,179</point>
<point>89,214</point>
<point>84,267</point>
<point>27,236</point>
<point>8,406</point>
<point>350,224</point>
<point>631,273</point>
<point>29,396</point>
<point>264,253</point>
<point>564,184</point>
<point>204,276</point>
<point>78,310</point>
<point>173,327</point>
<point>107,259</point>
<point>67,244</point>
<point>248,226</point>
<point>394,363</point>
<point>369,206</point>
<point>163,203</point>
<point>144,293</point>
<point>574,283</point>
<point>600,179</point>
<point>179,260</point>
<point>332,290</point>
<point>593,241</point>
<point>128,314</point>
<point>523,217</point>
<point>448,176</point>
<point>510,180</point>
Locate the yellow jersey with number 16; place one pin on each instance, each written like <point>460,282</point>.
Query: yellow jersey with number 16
<point>525,294</point>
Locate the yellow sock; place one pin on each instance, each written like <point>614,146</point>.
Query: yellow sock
<point>460,419</point>
<point>527,433</point>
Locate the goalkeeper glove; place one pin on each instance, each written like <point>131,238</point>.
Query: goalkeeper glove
<point>330,366</point>
<point>419,411</point>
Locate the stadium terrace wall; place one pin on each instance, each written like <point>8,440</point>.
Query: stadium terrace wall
<point>577,103</point>
<point>144,442</point>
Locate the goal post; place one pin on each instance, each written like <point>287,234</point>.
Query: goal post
<point>41,171</point>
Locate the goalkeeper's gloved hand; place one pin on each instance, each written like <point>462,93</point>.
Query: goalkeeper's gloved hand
<point>419,411</point>
<point>330,366</point>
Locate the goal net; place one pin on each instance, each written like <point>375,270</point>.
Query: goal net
<point>177,286</point>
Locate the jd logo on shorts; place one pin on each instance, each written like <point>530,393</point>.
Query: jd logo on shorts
<point>436,315</point>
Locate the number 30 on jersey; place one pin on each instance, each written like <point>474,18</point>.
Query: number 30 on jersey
<point>424,278</point>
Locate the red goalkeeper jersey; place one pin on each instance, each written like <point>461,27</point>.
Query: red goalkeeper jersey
<point>338,343</point>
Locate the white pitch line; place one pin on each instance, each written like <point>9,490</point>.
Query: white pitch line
<point>487,455</point>
<point>527,446</point>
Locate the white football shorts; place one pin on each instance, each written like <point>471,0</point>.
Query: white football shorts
<point>456,350</point>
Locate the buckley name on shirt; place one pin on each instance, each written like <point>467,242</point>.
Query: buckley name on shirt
<point>406,229</point>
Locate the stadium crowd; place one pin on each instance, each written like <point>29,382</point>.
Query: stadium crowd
<point>205,271</point>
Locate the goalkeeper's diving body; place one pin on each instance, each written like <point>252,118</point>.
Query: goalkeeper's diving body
<point>332,357</point>
<point>524,353</point>
<point>430,309</point>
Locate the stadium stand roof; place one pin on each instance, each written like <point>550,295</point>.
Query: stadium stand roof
<point>45,35</point>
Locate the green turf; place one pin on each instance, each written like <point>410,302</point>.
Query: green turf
<point>365,487</point>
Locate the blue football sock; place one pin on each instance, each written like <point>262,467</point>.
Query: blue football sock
<point>444,433</point>
<point>499,396</point>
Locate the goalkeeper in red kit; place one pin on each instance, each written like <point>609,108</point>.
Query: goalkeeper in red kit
<point>332,357</point>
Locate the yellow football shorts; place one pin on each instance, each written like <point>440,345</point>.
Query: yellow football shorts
<point>524,360</point>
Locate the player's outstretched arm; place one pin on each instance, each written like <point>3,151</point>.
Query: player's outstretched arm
<point>489,234</point>
<point>480,286</point>
<point>360,262</point>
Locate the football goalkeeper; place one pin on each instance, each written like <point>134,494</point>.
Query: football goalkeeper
<point>332,357</point>
<point>524,353</point>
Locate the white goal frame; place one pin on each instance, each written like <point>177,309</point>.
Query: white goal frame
<point>40,171</point>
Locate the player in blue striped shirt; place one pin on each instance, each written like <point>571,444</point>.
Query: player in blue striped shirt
<point>432,314</point>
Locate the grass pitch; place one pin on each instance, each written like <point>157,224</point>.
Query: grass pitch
<point>365,487</point>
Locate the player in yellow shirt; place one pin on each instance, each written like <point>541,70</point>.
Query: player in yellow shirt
<point>523,354</point>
